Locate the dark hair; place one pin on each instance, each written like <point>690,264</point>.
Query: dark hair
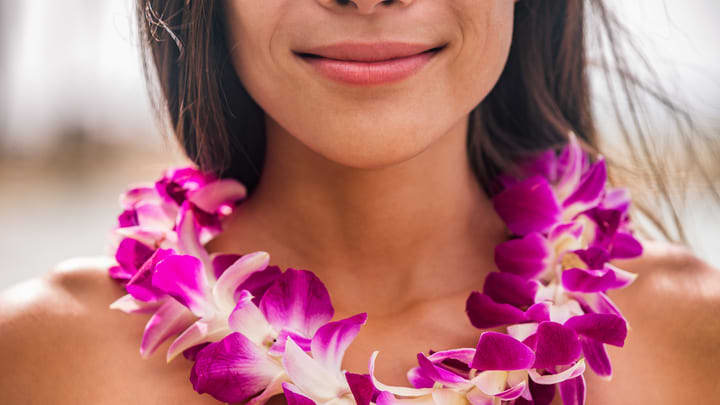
<point>543,94</point>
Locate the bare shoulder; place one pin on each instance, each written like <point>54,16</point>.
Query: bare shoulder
<point>60,343</point>
<point>673,309</point>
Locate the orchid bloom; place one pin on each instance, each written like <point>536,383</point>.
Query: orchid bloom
<point>498,370</point>
<point>268,341</point>
<point>319,379</point>
<point>151,213</point>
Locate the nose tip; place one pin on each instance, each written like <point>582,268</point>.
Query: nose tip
<point>362,6</point>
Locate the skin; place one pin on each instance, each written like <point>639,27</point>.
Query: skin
<point>369,188</point>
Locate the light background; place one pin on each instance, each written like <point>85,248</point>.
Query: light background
<point>76,127</point>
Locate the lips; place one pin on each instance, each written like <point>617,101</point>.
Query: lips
<point>368,52</point>
<point>369,63</point>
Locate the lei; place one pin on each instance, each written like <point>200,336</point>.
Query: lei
<point>254,331</point>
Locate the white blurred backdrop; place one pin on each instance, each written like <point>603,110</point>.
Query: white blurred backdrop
<point>76,126</point>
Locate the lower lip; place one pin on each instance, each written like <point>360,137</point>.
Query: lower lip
<point>370,73</point>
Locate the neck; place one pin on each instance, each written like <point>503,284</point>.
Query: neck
<point>416,230</point>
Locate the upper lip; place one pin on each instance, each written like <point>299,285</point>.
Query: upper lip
<point>368,51</point>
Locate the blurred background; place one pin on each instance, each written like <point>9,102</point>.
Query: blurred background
<point>76,126</point>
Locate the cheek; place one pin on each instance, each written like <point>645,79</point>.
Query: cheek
<point>484,48</point>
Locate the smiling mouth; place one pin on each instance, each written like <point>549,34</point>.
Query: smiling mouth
<point>366,65</point>
<point>368,59</point>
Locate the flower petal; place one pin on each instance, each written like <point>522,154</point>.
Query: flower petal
<point>152,215</point>
<point>571,372</point>
<point>140,285</point>
<point>527,257</point>
<point>625,246</point>
<point>309,375</point>
<point>596,356</point>
<point>556,345</point>
<point>402,391</point>
<point>439,374</point>
<point>582,280</point>
<point>332,339</point>
<point>510,289</point>
<point>497,351</point>
<point>131,254</point>
<point>294,396</point>
<point>299,301</point>
<point>247,319</point>
<point>589,192</point>
<point>170,319</point>
<point>485,313</point>
<point>235,275</point>
<point>221,261</point>
<point>444,396</point>
<point>199,332</point>
<point>233,369</point>
<point>128,304</point>
<point>213,196</point>
<point>188,236</point>
<point>528,206</point>
<point>513,392</point>
<point>182,277</point>
<point>605,328</point>
<point>259,282</point>
<point>361,387</point>
<point>573,391</point>
<point>418,378</point>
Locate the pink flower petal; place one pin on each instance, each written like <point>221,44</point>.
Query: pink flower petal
<point>332,339</point>
<point>527,257</point>
<point>298,301</point>
<point>571,372</point>
<point>201,331</point>
<point>625,246</point>
<point>188,234</point>
<point>402,391</point>
<point>529,206</point>
<point>216,194</point>
<point>221,261</point>
<point>131,254</point>
<point>235,275</point>
<point>309,375</point>
<point>510,289</point>
<point>128,304</point>
<point>497,351</point>
<point>182,277</point>
<point>485,313</point>
<point>247,319</point>
<point>596,356</point>
<point>556,345</point>
<point>362,388</point>
<point>589,192</point>
<point>140,285</point>
<point>169,320</point>
<point>294,396</point>
<point>439,374</point>
<point>605,328</point>
<point>590,281</point>
<point>573,391</point>
<point>233,369</point>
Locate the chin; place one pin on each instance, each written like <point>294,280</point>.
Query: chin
<point>375,147</point>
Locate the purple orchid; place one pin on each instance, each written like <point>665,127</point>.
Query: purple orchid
<point>265,354</point>
<point>152,212</point>
<point>500,369</point>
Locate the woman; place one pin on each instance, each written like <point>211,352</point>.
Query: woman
<point>377,175</point>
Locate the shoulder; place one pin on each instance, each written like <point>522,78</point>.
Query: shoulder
<point>673,309</point>
<point>59,341</point>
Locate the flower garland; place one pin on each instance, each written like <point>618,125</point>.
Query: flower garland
<point>254,331</point>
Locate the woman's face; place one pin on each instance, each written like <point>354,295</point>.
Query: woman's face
<point>350,104</point>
